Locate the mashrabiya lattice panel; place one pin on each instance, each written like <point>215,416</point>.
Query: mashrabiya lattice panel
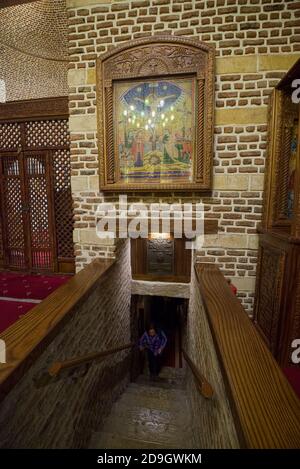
<point>63,203</point>
<point>54,134</point>
<point>13,209</point>
<point>10,136</point>
<point>47,134</point>
<point>39,211</point>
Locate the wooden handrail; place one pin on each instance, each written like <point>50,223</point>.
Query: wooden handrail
<point>205,388</point>
<point>265,407</point>
<point>57,367</point>
<point>26,339</point>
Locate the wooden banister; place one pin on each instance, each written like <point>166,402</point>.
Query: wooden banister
<point>25,339</point>
<point>205,388</point>
<point>266,409</point>
<point>57,367</point>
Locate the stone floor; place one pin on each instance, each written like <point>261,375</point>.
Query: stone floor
<point>149,414</point>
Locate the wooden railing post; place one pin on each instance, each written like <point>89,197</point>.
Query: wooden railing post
<point>57,367</point>
<point>204,386</point>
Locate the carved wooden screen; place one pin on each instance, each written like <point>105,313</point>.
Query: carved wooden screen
<point>277,299</point>
<point>63,204</point>
<point>13,214</point>
<point>38,188</point>
<point>1,244</point>
<point>37,215</point>
<point>268,293</point>
<point>178,65</point>
<point>54,135</point>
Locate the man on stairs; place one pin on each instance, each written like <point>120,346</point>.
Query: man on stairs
<point>154,341</point>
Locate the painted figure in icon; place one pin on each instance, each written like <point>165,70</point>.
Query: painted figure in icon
<point>155,129</point>
<point>292,170</point>
<point>137,149</point>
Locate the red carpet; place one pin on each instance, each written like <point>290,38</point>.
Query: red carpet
<point>10,312</point>
<point>23,287</point>
<point>29,286</point>
<point>292,374</point>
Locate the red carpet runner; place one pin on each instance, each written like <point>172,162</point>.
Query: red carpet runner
<point>11,311</point>
<point>19,289</point>
<point>292,373</point>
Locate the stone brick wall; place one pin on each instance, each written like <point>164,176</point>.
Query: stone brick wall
<point>65,412</point>
<point>213,424</point>
<point>33,50</point>
<point>256,42</point>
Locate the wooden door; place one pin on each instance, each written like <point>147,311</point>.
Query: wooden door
<point>35,186</point>
<point>27,211</point>
<point>39,210</point>
<point>13,211</point>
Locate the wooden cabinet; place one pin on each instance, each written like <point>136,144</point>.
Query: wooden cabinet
<point>277,299</point>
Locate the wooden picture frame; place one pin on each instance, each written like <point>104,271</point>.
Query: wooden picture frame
<point>283,162</point>
<point>277,296</point>
<point>143,89</point>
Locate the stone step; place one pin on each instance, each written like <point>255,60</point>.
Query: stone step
<point>131,399</point>
<point>133,413</point>
<point>150,425</point>
<point>161,382</point>
<point>105,440</point>
<point>154,391</point>
<point>149,414</point>
<point>170,372</point>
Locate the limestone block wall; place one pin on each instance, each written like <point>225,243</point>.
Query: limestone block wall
<point>213,424</point>
<point>256,42</point>
<point>33,50</point>
<point>65,412</point>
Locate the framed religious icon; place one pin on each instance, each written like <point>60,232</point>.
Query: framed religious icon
<point>155,115</point>
<point>292,166</point>
<point>282,195</point>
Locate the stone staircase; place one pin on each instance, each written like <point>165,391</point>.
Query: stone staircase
<point>148,415</point>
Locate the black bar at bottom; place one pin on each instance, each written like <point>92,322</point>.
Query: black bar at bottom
<point>129,458</point>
